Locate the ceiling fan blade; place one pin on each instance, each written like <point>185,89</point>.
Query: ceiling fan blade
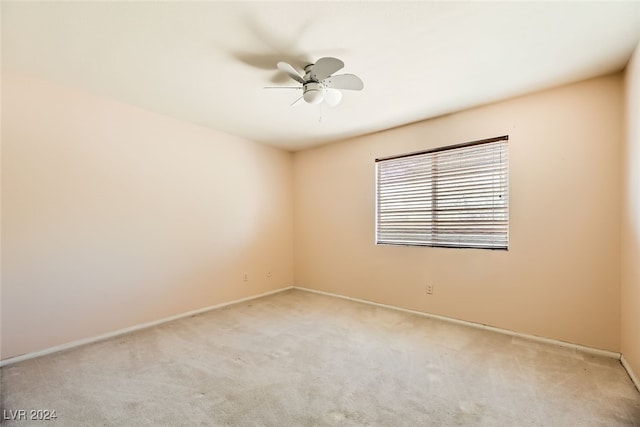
<point>344,81</point>
<point>288,68</point>
<point>332,97</point>
<point>283,87</point>
<point>324,67</point>
<point>295,102</point>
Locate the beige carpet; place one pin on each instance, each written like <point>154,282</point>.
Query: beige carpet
<point>301,359</point>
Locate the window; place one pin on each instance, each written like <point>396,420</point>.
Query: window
<point>454,197</point>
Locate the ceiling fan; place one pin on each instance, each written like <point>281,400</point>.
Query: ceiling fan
<point>318,84</point>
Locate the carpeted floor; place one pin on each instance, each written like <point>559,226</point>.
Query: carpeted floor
<point>302,359</point>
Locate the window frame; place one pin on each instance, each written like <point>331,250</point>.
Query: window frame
<point>434,182</point>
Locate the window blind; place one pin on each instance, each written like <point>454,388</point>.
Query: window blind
<point>449,197</point>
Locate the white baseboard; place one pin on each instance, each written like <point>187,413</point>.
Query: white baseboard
<point>582,348</point>
<point>627,367</point>
<point>78,343</point>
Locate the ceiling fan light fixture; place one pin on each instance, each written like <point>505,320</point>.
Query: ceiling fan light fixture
<point>313,93</point>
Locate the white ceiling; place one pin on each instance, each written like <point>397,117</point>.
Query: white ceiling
<point>207,62</point>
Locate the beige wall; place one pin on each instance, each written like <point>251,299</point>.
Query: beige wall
<point>630,295</point>
<point>113,216</point>
<point>561,276</point>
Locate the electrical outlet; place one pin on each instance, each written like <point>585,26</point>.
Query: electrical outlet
<point>245,277</point>
<point>429,289</point>
<point>268,275</point>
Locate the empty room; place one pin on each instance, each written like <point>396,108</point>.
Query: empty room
<point>320,213</point>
